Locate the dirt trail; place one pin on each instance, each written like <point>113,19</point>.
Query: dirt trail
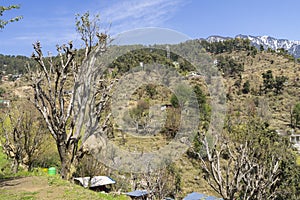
<point>35,187</point>
<point>28,184</point>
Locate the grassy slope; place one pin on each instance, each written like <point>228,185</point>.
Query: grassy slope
<point>49,187</point>
<point>278,105</point>
<point>38,185</point>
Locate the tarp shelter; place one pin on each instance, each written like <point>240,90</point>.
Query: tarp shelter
<point>138,194</point>
<point>198,196</point>
<point>96,181</point>
<point>194,196</point>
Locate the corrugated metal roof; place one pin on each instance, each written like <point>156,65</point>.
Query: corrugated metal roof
<point>137,193</point>
<point>95,181</point>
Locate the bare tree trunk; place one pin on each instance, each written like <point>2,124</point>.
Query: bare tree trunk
<point>69,155</point>
<point>66,161</point>
<point>291,116</point>
<point>29,165</point>
<point>15,165</point>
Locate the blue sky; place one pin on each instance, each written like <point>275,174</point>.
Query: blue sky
<point>52,22</point>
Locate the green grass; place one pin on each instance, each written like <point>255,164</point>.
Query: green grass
<point>29,195</point>
<point>4,164</point>
<point>5,194</point>
<point>298,160</point>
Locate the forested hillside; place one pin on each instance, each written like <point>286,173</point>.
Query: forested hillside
<point>262,100</point>
<point>14,64</point>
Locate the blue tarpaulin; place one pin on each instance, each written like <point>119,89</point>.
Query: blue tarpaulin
<point>211,198</point>
<point>198,196</point>
<point>194,196</point>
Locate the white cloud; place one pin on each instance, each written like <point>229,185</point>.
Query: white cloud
<point>131,14</point>
<point>59,27</point>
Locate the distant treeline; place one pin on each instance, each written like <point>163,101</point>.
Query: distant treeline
<point>145,56</point>
<point>236,44</point>
<point>148,55</point>
<point>14,64</point>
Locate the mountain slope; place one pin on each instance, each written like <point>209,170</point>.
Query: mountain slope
<point>291,46</point>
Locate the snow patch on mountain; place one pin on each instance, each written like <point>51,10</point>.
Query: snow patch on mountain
<point>292,46</point>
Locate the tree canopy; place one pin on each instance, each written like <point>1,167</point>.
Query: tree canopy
<point>4,22</point>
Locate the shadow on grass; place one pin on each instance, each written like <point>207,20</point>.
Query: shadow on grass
<point>9,182</point>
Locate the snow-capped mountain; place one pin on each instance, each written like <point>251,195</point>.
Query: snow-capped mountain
<point>292,46</point>
<point>216,38</point>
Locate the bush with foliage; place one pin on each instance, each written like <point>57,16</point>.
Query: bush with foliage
<point>273,84</point>
<point>229,67</point>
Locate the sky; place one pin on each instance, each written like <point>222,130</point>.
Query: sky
<point>53,22</point>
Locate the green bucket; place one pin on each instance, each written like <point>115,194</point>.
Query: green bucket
<point>52,171</point>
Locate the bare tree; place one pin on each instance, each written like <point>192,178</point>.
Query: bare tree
<point>70,98</point>
<point>88,28</point>
<point>160,183</point>
<point>249,167</point>
<point>90,166</point>
<point>24,134</point>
